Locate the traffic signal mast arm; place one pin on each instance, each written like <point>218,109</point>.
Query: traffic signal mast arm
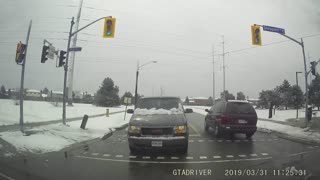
<point>72,34</point>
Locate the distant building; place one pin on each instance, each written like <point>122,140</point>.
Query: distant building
<point>56,96</point>
<point>32,94</point>
<point>254,102</point>
<point>198,101</point>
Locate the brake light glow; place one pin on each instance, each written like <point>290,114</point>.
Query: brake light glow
<point>225,119</point>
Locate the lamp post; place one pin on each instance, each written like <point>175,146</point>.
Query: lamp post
<point>137,75</point>
<point>297,86</point>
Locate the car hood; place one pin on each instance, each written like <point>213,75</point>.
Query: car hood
<point>156,120</point>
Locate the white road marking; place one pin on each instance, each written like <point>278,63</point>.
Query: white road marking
<point>200,140</point>
<point>242,155</point>
<point>132,157</point>
<point>191,140</point>
<point>220,140</point>
<point>246,140</point>
<point>316,146</point>
<point>310,147</point>
<point>174,158</point>
<point>119,156</point>
<point>94,154</point>
<point>106,155</point>
<point>160,157</point>
<point>85,152</point>
<point>194,135</point>
<point>264,154</point>
<point>203,157</point>
<point>189,157</point>
<point>253,155</point>
<point>216,157</point>
<point>6,177</point>
<point>145,157</point>
<point>254,140</point>
<point>174,162</point>
<point>229,156</point>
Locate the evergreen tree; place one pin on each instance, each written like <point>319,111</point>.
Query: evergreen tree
<point>241,96</point>
<point>285,91</point>
<point>186,102</point>
<point>45,90</point>
<point>107,95</point>
<point>314,91</point>
<point>126,94</point>
<point>210,101</point>
<point>297,98</point>
<point>229,96</point>
<point>3,90</point>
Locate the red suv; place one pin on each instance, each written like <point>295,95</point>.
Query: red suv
<point>233,116</point>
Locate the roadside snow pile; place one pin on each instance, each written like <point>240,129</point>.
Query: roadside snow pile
<point>199,109</point>
<point>157,111</point>
<point>39,111</point>
<point>291,131</point>
<point>57,136</point>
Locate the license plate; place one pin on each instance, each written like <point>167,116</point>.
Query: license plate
<point>241,121</point>
<point>156,143</point>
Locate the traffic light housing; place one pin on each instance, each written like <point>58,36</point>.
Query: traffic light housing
<point>44,56</point>
<point>313,67</point>
<point>20,52</point>
<point>256,35</point>
<point>62,57</point>
<point>109,27</point>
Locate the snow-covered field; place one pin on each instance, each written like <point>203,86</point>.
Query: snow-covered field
<point>38,111</point>
<point>57,136</point>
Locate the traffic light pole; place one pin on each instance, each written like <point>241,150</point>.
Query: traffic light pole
<point>65,98</point>
<point>22,79</point>
<point>305,76</point>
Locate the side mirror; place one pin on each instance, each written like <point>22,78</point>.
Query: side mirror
<point>207,110</point>
<point>188,110</point>
<point>130,111</point>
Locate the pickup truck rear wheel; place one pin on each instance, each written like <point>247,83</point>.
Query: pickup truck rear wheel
<point>217,131</point>
<point>206,127</point>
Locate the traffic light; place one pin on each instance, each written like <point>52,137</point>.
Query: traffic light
<point>20,53</point>
<point>313,67</point>
<point>256,35</point>
<point>62,57</point>
<point>44,56</point>
<point>109,27</point>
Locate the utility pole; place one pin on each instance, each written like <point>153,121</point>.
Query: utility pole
<point>297,86</point>
<point>213,78</point>
<point>22,79</point>
<point>72,57</point>
<point>224,70</point>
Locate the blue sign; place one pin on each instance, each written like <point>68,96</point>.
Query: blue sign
<point>273,29</point>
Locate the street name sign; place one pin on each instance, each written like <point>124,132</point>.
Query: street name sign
<point>273,29</point>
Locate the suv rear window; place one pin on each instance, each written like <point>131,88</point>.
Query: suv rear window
<point>240,108</point>
<point>159,103</point>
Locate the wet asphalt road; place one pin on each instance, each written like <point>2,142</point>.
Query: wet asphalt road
<point>264,156</point>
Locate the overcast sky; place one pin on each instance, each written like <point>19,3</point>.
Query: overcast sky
<point>178,34</point>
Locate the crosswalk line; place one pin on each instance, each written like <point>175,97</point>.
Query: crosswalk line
<point>229,156</point>
<point>203,157</point>
<point>160,157</point>
<point>132,157</point>
<point>119,156</point>
<point>145,157</point>
<point>264,154</point>
<point>253,155</point>
<point>189,157</point>
<point>174,158</point>
<point>242,155</point>
<point>94,154</point>
<point>106,155</point>
<point>216,157</point>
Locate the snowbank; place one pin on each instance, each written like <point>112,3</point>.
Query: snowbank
<point>38,111</point>
<point>57,136</point>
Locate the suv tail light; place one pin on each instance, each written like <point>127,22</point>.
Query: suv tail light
<point>225,119</point>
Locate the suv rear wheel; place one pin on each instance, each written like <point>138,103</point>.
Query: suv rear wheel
<point>206,127</point>
<point>249,135</point>
<point>217,131</point>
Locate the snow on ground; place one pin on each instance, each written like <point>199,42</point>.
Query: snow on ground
<point>55,137</point>
<point>38,111</point>
<point>295,132</point>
